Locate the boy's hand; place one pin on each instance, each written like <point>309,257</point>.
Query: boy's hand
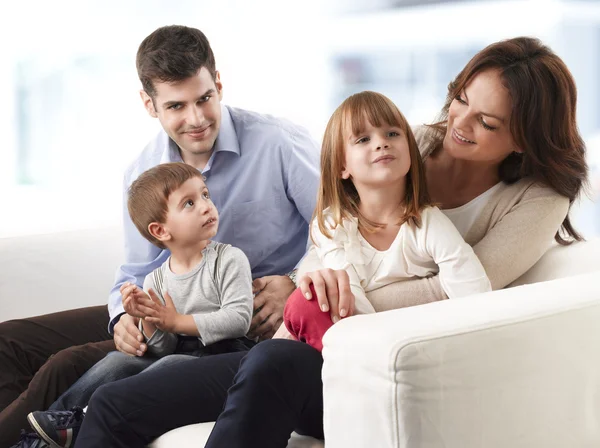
<point>130,296</point>
<point>165,317</point>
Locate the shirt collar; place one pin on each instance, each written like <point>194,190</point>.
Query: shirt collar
<point>226,140</point>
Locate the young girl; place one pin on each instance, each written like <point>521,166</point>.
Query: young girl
<point>374,218</point>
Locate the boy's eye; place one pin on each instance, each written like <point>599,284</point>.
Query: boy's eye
<point>206,195</point>
<point>188,203</point>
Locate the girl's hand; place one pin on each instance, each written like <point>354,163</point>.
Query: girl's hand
<point>333,292</point>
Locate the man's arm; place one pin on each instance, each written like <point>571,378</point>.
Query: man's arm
<point>301,178</point>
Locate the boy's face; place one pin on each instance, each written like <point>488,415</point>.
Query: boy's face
<point>189,111</point>
<point>191,215</point>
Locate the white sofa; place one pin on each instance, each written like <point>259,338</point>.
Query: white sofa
<point>513,368</point>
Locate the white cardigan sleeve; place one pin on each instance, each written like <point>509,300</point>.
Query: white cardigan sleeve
<point>460,272</point>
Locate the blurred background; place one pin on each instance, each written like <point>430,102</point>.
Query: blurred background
<point>72,119</point>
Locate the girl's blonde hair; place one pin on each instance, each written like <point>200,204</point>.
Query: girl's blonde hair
<point>340,195</point>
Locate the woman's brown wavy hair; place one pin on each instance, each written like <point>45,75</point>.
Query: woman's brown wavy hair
<point>542,120</point>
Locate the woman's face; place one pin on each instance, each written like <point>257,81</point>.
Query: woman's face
<point>478,121</point>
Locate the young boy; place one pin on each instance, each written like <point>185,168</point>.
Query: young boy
<point>199,302</point>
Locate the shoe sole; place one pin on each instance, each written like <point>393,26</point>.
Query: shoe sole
<point>40,432</point>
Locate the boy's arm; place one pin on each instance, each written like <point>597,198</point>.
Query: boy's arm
<point>160,343</point>
<point>233,319</point>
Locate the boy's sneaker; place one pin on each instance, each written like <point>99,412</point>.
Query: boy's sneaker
<point>58,428</point>
<point>30,440</point>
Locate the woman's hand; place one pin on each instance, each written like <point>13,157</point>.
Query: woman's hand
<point>333,292</point>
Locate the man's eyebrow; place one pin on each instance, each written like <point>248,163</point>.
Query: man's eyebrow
<point>172,103</point>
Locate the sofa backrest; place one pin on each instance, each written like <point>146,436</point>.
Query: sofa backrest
<point>564,261</point>
<point>48,273</point>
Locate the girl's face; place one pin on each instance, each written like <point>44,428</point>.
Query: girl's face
<point>478,121</point>
<point>377,157</point>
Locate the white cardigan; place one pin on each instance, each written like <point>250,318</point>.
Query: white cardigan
<point>434,247</point>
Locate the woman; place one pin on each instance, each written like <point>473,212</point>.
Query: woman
<point>505,161</point>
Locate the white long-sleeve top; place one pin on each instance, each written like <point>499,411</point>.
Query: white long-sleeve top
<point>434,248</point>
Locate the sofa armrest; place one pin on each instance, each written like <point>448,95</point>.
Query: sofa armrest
<point>512,368</point>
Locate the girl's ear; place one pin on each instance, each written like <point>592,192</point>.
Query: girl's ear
<point>345,174</point>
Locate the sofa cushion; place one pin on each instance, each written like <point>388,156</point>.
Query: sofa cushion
<point>200,432</point>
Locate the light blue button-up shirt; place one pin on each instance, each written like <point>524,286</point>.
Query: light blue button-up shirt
<point>263,177</point>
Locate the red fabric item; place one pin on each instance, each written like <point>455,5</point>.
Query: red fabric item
<point>305,320</point>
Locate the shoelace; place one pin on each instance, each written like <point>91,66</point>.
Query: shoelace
<point>28,436</point>
<point>66,418</point>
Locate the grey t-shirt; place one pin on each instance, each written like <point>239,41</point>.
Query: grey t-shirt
<point>217,292</point>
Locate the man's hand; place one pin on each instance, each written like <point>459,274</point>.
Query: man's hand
<point>128,338</point>
<point>130,296</point>
<point>273,292</point>
<point>165,317</point>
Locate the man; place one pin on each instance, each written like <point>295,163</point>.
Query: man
<point>262,173</point>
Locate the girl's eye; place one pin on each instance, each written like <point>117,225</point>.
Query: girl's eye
<point>485,125</point>
<point>206,195</point>
<point>188,203</point>
<point>363,140</point>
<point>393,134</point>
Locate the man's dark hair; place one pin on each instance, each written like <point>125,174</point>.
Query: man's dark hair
<point>173,53</point>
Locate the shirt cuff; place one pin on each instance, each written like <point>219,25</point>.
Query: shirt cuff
<point>112,323</point>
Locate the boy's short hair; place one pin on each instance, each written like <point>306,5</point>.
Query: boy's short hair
<point>173,53</point>
<point>149,193</point>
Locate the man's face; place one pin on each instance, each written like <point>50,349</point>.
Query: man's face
<point>190,113</point>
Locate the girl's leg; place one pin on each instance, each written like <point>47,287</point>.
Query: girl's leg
<point>134,411</point>
<point>277,390</point>
<point>305,320</point>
